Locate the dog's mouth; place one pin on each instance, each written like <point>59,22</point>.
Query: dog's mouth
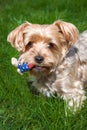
<point>40,68</point>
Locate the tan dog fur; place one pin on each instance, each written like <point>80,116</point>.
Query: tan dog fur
<point>63,69</point>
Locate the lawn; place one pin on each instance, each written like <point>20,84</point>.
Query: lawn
<point>19,108</point>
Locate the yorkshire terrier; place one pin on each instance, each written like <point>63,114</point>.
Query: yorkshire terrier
<point>59,56</point>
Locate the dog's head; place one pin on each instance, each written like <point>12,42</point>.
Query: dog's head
<point>43,45</point>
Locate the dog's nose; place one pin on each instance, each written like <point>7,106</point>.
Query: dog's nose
<point>39,59</point>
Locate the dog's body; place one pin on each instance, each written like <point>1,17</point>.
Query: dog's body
<point>59,57</point>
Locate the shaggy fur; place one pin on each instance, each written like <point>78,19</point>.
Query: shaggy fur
<point>59,56</point>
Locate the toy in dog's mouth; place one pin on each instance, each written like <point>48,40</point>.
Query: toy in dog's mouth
<point>24,67</point>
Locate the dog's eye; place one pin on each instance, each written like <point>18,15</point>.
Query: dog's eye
<point>29,45</point>
<point>50,45</point>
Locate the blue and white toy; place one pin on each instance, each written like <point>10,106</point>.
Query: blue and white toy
<point>24,67</point>
<point>21,68</point>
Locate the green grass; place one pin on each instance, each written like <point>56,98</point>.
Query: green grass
<point>19,109</point>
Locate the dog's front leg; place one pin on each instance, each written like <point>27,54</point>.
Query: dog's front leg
<point>72,92</point>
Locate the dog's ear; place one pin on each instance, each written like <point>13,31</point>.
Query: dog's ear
<point>69,31</point>
<point>16,37</point>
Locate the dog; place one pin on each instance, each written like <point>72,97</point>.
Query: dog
<point>59,55</point>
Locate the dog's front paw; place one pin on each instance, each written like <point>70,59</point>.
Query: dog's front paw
<point>76,103</point>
